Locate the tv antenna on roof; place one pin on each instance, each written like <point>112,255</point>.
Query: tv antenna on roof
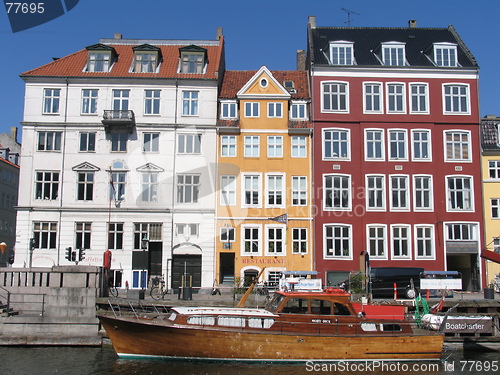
<point>349,12</point>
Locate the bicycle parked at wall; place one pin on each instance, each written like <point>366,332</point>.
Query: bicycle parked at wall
<point>158,288</point>
<point>113,291</point>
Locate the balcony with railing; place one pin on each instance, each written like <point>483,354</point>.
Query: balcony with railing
<point>118,119</point>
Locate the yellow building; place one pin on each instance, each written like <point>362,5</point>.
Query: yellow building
<point>490,140</point>
<point>264,209</point>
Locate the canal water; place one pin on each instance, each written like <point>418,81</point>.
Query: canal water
<point>103,361</point>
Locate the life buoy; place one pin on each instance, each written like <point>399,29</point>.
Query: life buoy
<point>107,259</point>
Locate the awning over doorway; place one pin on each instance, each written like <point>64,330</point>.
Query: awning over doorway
<point>490,255</point>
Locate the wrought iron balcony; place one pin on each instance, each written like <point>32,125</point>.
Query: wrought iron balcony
<point>113,119</point>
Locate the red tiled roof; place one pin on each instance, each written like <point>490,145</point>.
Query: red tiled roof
<point>74,64</point>
<point>235,80</point>
<point>8,162</point>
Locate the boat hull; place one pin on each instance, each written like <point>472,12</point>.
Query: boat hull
<point>134,338</point>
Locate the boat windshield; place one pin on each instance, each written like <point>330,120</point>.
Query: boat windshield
<point>274,303</point>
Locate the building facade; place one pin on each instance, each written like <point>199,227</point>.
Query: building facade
<point>119,154</point>
<point>264,211</point>
<point>396,150</point>
<point>490,142</point>
<point>9,183</point>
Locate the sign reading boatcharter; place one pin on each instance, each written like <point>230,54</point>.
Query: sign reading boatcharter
<point>25,15</point>
<point>468,324</point>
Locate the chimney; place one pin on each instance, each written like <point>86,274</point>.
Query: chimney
<point>412,24</point>
<point>301,59</point>
<point>118,36</point>
<point>218,33</point>
<point>312,22</point>
<point>13,133</point>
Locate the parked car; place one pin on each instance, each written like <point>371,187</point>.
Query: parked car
<point>382,281</point>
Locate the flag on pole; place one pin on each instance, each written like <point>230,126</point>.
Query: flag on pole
<point>280,219</point>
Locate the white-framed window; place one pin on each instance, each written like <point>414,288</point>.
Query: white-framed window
<point>121,100</point>
<point>274,110</point>
<point>190,103</point>
<point>494,169</point>
<point>335,97</point>
<point>424,241</point>
<point>374,145</point>
<point>227,234</point>
<point>298,111</point>
<point>228,146</point>
<point>115,236</point>
<point>460,193</point>
<point>399,193</point>
<point>145,62</point>
<point>495,208</point>
<point>401,241</point>
<point>89,101</point>
<point>192,62</point>
<point>252,109</point>
<point>45,235</point>
<point>445,54</point>
<point>337,241</point>
<point>49,141</point>
<point>188,188</point>
<point>342,53</point>
<point>457,146</point>
<point>421,145</point>
<point>419,98</point>
<point>398,144</point>
<point>299,146</point>
<point>299,190</point>
<point>252,190</point>
<point>228,190</point>
<point>187,230</point>
<point>85,186</point>
<point>152,102</point>
<point>251,240</point>
<point>396,101</point>
<point>423,199</point>
<point>119,179</point>
<point>336,144</point>
<point>46,185</point>
<point>228,110</point>
<point>98,61</point>
<point>375,193</point>
<point>456,99</point>
<point>149,186</point>
<point>83,234</point>
<point>461,232</point>
<point>377,241</point>
<point>299,240</point>
<point>337,192</point>
<point>189,144</point>
<point>252,146</point>
<point>87,141</point>
<point>274,146</point>
<point>150,142</point>
<point>275,239</point>
<point>275,189</point>
<point>393,54</point>
<point>51,101</point>
<point>119,142</point>
<point>373,102</point>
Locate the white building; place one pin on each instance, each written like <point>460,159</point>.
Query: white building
<point>119,153</point>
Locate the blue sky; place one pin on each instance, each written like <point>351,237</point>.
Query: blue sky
<point>257,32</point>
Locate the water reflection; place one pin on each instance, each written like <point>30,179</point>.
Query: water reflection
<point>103,361</point>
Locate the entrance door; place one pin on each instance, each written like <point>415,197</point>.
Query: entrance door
<point>226,268</point>
<point>188,266</point>
<point>155,259</point>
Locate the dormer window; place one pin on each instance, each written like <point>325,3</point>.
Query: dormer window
<point>445,54</point>
<point>342,53</point>
<point>298,110</point>
<point>393,54</point>
<point>228,109</point>
<point>193,59</point>
<point>100,58</point>
<point>146,58</point>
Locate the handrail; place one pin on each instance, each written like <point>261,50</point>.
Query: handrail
<point>7,298</point>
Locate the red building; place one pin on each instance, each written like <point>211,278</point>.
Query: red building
<point>396,150</point>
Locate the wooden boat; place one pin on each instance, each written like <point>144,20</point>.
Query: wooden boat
<point>294,326</point>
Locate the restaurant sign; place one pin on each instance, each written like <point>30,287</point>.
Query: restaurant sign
<point>462,247</point>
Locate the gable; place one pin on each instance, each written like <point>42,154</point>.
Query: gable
<point>86,167</point>
<point>263,85</point>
